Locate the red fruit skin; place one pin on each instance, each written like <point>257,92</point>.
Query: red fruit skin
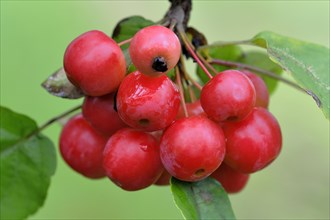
<point>131,159</point>
<point>192,148</point>
<point>229,96</point>
<point>151,42</point>
<point>262,94</point>
<point>231,180</point>
<point>164,179</point>
<point>94,63</point>
<point>81,147</point>
<point>100,113</point>
<point>193,108</point>
<point>254,142</point>
<point>147,103</point>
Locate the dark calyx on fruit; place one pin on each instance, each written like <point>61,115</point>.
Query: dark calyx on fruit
<point>159,64</point>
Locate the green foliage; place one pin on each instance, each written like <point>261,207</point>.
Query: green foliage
<point>205,199</point>
<point>126,29</point>
<point>308,63</point>
<point>261,60</point>
<point>228,53</point>
<point>28,161</point>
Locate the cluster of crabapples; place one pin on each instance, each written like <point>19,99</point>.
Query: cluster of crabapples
<point>136,129</point>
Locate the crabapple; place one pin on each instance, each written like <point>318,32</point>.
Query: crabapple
<point>100,113</point>
<point>192,148</point>
<point>131,159</point>
<point>94,63</point>
<point>154,50</point>
<point>229,96</point>
<point>147,103</point>
<point>254,142</point>
<point>81,146</point>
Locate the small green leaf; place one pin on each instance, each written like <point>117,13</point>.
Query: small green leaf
<point>228,53</point>
<point>126,28</point>
<point>27,163</point>
<point>261,60</point>
<point>58,85</point>
<point>308,64</point>
<point>205,199</point>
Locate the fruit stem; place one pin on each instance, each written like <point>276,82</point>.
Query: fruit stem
<point>124,42</point>
<point>179,82</point>
<point>258,70</point>
<point>190,48</point>
<point>52,120</point>
<point>187,76</point>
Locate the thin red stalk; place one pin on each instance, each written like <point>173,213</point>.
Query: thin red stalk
<point>124,42</point>
<point>187,76</point>
<point>260,71</point>
<point>178,81</point>
<point>190,48</point>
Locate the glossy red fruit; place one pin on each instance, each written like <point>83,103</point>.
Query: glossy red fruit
<point>192,148</point>
<point>101,114</point>
<point>262,94</point>
<point>164,179</point>
<point>81,146</point>
<point>154,50</point>
<point>193,108</point>
<point>147,103</point>
<point>231,180</point>
<point>94,63</point>
<point>254,142</point>
<point>131,159</point>
<point>229,96</point>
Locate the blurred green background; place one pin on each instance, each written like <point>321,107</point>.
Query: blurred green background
<point>34,35</point>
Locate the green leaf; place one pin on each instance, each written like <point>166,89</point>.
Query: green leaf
<point>261,60</point>
<point>58,85</point>
<point>27,163</point>
<point>205,199</point>
<point>308,64</point>
<point>228,53</point>
<point>126,28</point>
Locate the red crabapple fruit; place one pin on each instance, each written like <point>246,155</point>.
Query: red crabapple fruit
<point>231,180</point>
<point>229,96</point>
<point>147,103</point>
<point>101,114</point>
<point>154,50</point>
<point>94,63</point>
<point>254,142</point>
<point>131,159</point>
<point>192,148</point>
<point>81,146</point>
<point>262,94</point>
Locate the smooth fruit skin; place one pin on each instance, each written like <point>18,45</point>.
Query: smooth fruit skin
<point>229,96</point>
<point>101,114</point>
<point>254,142</point>
<point>164,179</point>
<point>147,103</point>
<point>95,63</point>
<point>193,108</point>
<point>131,159</point>
<point>231,180</point>
<point>192,148</point>
<point>81,146</point>
<point>262,94</point>
<point>151,43</point>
